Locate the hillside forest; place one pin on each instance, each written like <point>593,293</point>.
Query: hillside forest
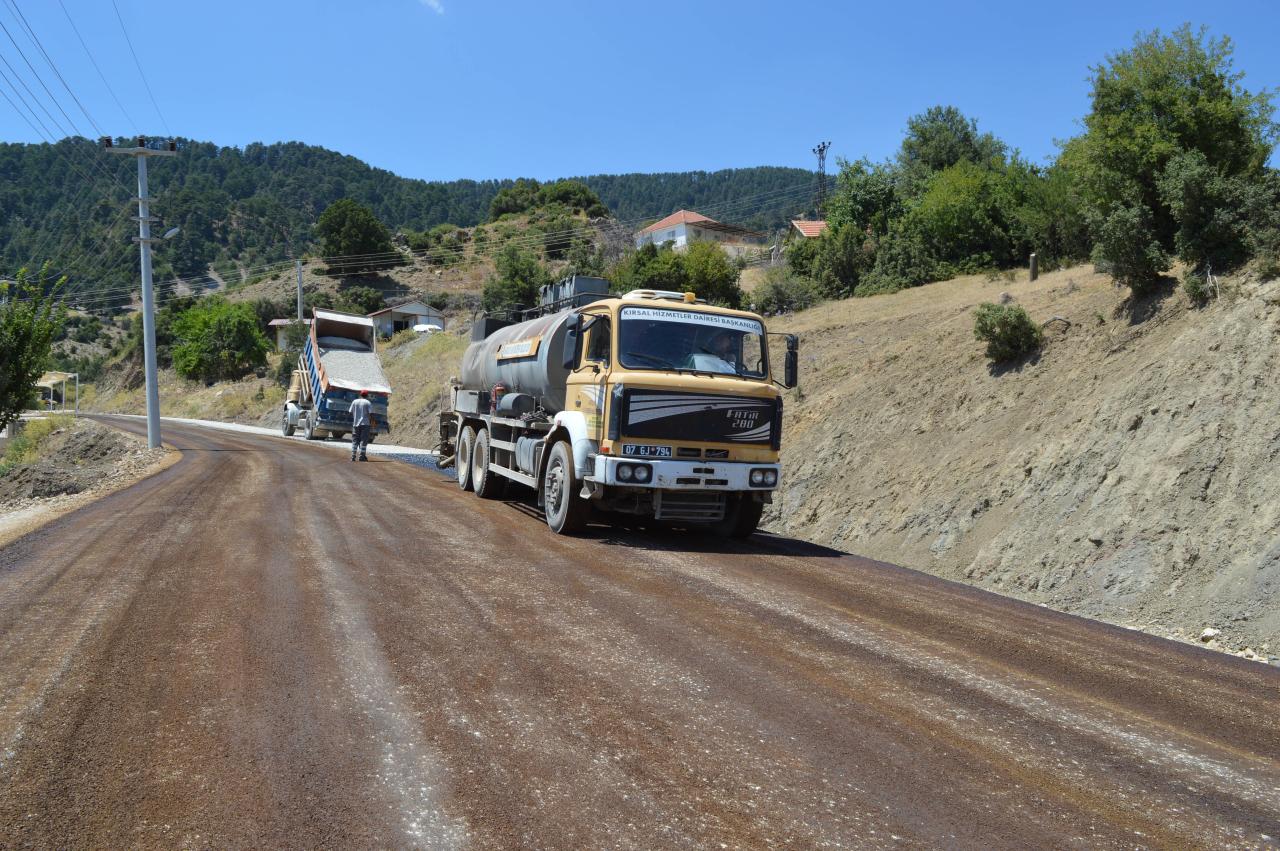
<point>1170,173</point>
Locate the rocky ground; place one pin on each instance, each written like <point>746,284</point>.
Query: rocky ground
<point>1127,473</point>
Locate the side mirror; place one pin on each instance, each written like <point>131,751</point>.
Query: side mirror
<point>573,343</point>
<point>791,369</point>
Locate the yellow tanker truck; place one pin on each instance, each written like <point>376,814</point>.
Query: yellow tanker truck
<point>651,404</point>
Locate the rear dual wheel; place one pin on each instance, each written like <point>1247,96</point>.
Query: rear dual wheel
<point>462,457</point>
<point>487,484</point>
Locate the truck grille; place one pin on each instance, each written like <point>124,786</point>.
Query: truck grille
<point>709,417</point>
<point>691,507</point>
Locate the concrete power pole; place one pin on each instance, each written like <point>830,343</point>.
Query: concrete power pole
<point>821,153</point>
<point>299,267</point>
<point>144,240</point>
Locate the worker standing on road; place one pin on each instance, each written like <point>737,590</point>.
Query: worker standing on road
<point>360,420</point>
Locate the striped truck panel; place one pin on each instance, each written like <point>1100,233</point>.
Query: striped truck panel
<point>675,415</point>
<point>333,404</point>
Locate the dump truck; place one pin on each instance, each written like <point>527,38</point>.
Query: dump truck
<point>653,404</point>
<point>339,359</point>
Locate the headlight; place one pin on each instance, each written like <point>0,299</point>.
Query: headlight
<point>643,473</point>
<point>624,472</point>
<point>770,477</point>
<point>757,477</point>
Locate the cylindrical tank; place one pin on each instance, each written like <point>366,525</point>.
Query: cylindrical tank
<point>527,358</point>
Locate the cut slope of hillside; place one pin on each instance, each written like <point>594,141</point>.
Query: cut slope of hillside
<point>1128,473</point>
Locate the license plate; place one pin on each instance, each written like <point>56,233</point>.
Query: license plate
<point>644,450</point>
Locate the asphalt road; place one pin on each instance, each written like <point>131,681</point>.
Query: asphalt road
<point>267,646</point>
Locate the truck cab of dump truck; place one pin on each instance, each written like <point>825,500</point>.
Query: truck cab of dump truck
<point>660,406</point>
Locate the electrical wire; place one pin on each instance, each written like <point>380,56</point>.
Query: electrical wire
<point>101,75</point>
<point>36,39</point>
<point>39,79</point>
<point>138,65</point>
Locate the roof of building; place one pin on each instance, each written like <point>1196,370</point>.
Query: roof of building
<point>679,217</point>
<point>809,228</point>
<point>51,378</point>
<point>688,217</point>
<point>277,322</point>
<point>407,307</point>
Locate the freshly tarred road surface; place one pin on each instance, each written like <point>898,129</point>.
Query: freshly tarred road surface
<point>268,646</point>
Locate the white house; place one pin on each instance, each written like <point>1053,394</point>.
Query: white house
<point>685,226</point>
<point>389,320</point>
<point>280,326</point>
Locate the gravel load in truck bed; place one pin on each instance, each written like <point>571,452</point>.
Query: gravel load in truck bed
<point>354,370</point>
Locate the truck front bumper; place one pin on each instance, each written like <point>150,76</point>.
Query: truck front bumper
<point>667,474</point>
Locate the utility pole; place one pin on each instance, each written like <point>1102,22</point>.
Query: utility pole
<point>299,267</point>
<point>821,152</point>
<point>144,240</point>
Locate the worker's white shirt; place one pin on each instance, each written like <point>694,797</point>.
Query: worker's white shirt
<point>360,412</point>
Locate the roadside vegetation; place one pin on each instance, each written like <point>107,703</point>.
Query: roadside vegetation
<point>1172,166</point>
<point>25,448</point>
<point>31,314</point>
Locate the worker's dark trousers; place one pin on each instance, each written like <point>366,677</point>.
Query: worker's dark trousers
<point>359,439</point>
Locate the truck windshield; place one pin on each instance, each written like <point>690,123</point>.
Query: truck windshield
<point>659,338</point>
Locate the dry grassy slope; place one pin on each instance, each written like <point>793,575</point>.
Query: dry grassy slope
<point>419,369</point>
<point>1128,474</point>
<point>252,400</point>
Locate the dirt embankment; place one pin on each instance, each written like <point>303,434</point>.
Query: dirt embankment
<point>1128,473</point>
<point>63,463</point>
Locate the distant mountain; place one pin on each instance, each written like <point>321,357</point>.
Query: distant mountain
<point>242,207</point>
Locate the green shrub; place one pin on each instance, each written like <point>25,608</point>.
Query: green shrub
<point>1007,330</point>
<point>1127,248</point>
<point>1209,210</point>
<point>517,280</point>
<point>783,293</point>
<point>284,369</point>
<point>903,260</point>
<point>363,300</point>
<point>217,340</point>
<point>1196,286</point>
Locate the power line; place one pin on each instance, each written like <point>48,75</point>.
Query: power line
<point>32,33</point>
<point>138,65</point>
<point>47,134</point>
<point>101,75</point>
<point>39,79</point>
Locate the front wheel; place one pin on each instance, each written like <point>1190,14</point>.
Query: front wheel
<point>287,428</point>
<point>741,518</point>
<point>566,511</point>
<point>462,458</point>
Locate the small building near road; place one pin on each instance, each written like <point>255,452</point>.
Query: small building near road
<point>389,320</point>
<point>279,327</point>
<point>807,228</point>
<point>685,226</point>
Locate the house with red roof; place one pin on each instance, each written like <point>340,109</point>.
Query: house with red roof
<point>685,226</point>
<point>808,228</point>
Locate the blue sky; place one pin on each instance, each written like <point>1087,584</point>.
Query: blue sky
<point>445,89</point>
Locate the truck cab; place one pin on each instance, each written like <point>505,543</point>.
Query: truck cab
<point>682,418</point>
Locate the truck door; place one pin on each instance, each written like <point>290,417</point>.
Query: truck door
<point>588,384</point>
